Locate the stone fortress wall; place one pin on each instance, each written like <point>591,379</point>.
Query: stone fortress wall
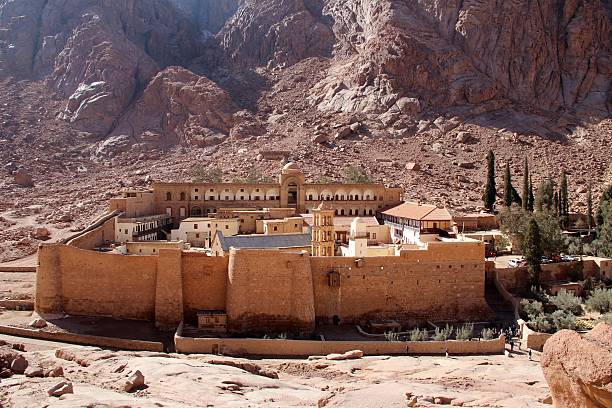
<point>261,290</point>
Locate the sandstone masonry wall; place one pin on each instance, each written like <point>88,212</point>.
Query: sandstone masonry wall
<point>204,283</point>
<point>269,291</point>
<point>95,237</point>
<point>412,288</point>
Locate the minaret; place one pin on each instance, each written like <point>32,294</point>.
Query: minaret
<point>323,235</point>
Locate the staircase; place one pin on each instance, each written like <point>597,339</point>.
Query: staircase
<point>504,313</point>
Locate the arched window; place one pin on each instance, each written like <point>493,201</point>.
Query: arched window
<point>168,196</point>
<point>350,212</point>
<point>182,196</point>
<point>196,211</point>
<point>342,212</point>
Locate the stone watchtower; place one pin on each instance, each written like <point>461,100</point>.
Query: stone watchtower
<point>323,235</point>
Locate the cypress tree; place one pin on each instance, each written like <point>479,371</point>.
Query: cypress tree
<point>532,251</point>
<point>545,196</point>
<point>490,192</point>
<point>531,196</point>
<point>556,204</point>
<point>590,208</point>
<point>563,200</point>
<point>526,186</point>
<point>507,186</point>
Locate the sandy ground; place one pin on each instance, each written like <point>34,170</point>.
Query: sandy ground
<point>17,285</point>
<point>192,381</point>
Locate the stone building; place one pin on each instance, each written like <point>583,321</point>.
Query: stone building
<point>411,223</point>
<point>183,200</point>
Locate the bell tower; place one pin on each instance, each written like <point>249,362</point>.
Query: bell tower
<point>323,235</point>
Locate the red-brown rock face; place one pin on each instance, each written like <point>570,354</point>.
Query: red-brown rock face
<point>579,369</point>
<point>179,106</point>
<point>547,54</point>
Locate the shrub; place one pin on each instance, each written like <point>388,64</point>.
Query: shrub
<point>282,336</point>
<point>415,334</point>
<point>541,323</point>
<point>488,333</point>
<point>465,332</point>
<point>562,319</point>
<point>531,308</point>
<point>600,301</point>
<point>419,335</point>
<point>392,336</point>
<point>607,318</point>
<point>201,174</point>
<point>356,175</point>
<point>442,334</point>
<point>567,302</point>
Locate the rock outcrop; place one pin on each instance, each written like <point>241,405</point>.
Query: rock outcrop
<point>177,106</point>
<point>276,32</point>
<point>447,53</point>
<point>579,369</point>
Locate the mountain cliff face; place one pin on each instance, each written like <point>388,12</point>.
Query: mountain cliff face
<point>333,81</point>
<point>100,55</point>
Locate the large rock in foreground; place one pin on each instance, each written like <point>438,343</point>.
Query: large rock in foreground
<point>579,369</point>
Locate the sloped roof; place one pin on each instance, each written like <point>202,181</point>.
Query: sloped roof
<point>260,241</point>
<point>420,212</point>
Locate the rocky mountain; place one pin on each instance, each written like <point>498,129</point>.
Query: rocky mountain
<point>109,85</point>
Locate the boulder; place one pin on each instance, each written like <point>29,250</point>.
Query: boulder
<point>5,373</point>
<point>349,355</point>
<point>409,106</point>
<point>19,365</point>
<point>22,178</point>
<point>33,371</point>
<point>55,372</point>
<point>61,388</point>
<point>41,233</point>
<point>320,139</point>
<point>343,133</point>
<point>38,323</point>
<point>135,381</point>
<point>464,137</point>
<point>579,369</point>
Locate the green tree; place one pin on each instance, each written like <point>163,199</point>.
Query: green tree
<point>356,175</point>
<point>201,174</point>
<point>603,243</point>
<point>563,199</point>
<point>532,251</point>
<point>590,208</point>
<point>516,224</point>
<point>545,196</point>
<point>490,192</point>
<point>526,186</point>
<point>531,196</point>
<point>606,197</point>
<point>556,204</point>
<point>507,186</point>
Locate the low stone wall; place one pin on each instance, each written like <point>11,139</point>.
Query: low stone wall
<point>303,348</point>
<point>17,269</point>
<point>532,339</point>
<point>17,304</point>
<point>83,339</point>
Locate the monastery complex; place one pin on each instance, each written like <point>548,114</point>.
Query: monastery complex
<point>239,259</point>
